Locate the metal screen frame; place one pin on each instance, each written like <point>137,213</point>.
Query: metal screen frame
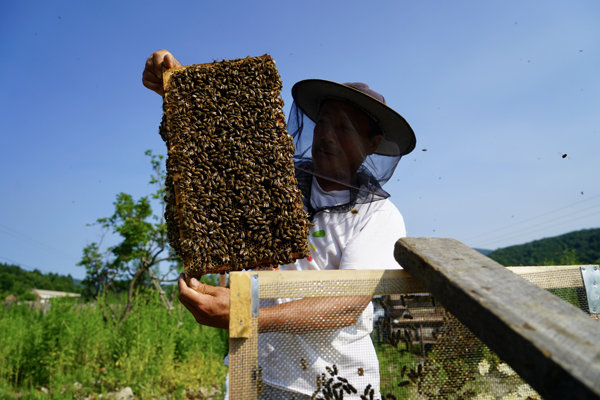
<point>245,375</point>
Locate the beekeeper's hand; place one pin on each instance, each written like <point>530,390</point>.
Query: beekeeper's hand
<point>152,77</point>
<point>208,304</point>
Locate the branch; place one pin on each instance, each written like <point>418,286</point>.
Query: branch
<point>156,255</point>
<point>129,304</point>
<point>168,273</point>
<point>107,308</point>
<point>161,292</point>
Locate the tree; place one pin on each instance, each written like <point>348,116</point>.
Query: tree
<point>19,282</point>
<point>133,263</point>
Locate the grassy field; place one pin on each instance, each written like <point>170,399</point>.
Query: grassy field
<point>72,352</point>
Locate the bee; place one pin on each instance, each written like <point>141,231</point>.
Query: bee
<point>361,372</point>
<point>354,211</point>
<point>412,375</point>
<point>303,362</point>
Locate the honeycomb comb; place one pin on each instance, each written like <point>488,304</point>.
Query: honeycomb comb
<point>232,200</point>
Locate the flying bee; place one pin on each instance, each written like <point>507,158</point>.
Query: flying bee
<point>354,211</point>
<point>303,362</point>
<point>361,372</point>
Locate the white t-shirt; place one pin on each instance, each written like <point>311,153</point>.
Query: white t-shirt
<point>362,240</point>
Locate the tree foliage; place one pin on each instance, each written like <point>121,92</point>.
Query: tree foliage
<point>579,247</point>
<point>16,281</point>
<point>131,265</point>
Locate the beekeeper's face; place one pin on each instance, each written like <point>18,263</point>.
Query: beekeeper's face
<point>341,141</point>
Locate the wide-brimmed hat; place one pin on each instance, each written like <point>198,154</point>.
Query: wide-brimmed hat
<point>398,137</point>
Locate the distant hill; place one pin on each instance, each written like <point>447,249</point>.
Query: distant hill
<point>579,247</point>
<point>14,280</point>
<point>485,252</point>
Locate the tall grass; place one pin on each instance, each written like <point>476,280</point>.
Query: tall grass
<point>158,353</point>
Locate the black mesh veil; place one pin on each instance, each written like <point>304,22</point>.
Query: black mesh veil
<point>366,185</point>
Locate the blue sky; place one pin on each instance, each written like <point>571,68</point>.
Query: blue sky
<point>495,91</point>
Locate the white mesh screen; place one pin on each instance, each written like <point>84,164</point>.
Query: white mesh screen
<point>373,335</point>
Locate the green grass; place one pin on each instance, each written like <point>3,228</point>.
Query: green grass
<point>157,352</point>
<point>440,368</point>
<point>391,362</point>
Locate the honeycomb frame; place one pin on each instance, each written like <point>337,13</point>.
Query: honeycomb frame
<point>232,199</point>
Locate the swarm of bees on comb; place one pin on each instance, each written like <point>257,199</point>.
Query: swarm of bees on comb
<point>232,200</point>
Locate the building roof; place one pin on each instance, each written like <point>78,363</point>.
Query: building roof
<point>48,294</point>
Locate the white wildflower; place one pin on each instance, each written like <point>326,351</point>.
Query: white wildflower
<point>511,396</point>
<point>527,391</point>
<point>484,367</point>
<point>506,370</point>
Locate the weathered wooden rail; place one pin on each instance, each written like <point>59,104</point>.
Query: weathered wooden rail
<point>551,344</point>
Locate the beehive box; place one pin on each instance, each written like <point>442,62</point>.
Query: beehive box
<point>231,192</point>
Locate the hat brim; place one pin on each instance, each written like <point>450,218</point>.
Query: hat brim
<point>398,137</point>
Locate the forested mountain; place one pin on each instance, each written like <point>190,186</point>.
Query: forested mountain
<point>14,280</point>
<point>579,247</point>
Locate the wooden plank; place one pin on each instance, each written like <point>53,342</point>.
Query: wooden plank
<point>268,277</point>
<point>543,268</point>
<point>243,365</point>
<point>551,277</point>
<point>240,301</point>
<point>552,345</point>
<point>331,283</point>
